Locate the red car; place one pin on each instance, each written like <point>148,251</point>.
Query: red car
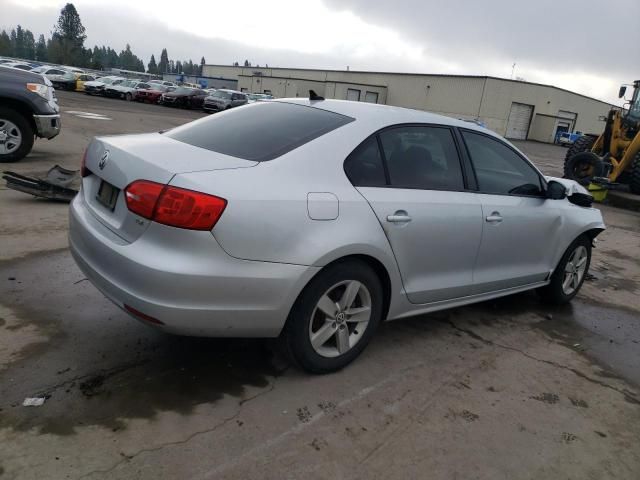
<point>153,93</point>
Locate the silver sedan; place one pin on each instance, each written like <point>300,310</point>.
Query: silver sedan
<point>315,220</point>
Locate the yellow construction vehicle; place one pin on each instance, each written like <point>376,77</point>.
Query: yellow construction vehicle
<point>613,158</point>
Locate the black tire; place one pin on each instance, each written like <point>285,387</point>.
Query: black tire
<point>296,334</point>
<point>582,144</point>
<point>128,97</point>
<point>634,177</point>
<point>26,132</point>
<point>583,167</point>
<point>554,292</point>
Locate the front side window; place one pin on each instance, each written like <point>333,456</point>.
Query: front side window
<point>364,166</point>
<point>499,169</point>
<point>422,157</point>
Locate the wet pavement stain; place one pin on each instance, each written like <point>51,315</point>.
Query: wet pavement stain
<point>100,367</point>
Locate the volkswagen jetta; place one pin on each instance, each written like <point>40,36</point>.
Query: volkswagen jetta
<point>314,220</point>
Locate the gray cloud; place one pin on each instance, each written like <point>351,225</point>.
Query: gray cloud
<point>570,39</point>
<point>567,36</point>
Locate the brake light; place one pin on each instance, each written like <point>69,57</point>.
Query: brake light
<point>173,206</point>
<point>142,197</point>
<point>84,171</point>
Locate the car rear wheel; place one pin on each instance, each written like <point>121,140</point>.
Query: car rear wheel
<point>570,273</point>
<point>16,136</point>
<point>334,317</point>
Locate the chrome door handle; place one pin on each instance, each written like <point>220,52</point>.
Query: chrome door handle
<point>399,217</point>
<point>495,217</point>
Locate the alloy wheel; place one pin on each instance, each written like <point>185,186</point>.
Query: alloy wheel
<point>10,137</point>
<point>340,318</point>
<point>574,270</point>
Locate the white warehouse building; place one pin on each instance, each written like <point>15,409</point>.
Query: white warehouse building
<point>513,108</point>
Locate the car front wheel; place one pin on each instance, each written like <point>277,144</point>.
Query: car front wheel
<point>570,273</point>
<point>16,136</point>
<point>334,317</point>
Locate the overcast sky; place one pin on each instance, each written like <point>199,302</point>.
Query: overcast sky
<point>588,46</point>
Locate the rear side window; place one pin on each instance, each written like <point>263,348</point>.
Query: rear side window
<point>364,166</point>
<point>499,169</point>
<point>422,157</point>
<point>260,131</point>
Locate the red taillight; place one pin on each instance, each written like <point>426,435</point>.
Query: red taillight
<point>142,197</point>
<point>84,171</point>
<point>173,206</point>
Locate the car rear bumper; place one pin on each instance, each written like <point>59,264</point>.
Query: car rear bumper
<point>184,279</point>
<point>48,126</point>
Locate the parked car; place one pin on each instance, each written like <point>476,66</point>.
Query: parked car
<point>166,83</point>
<point>18,65</point>
<point>153,93</point>
<point>315,220</point>
<point>185,97</point>
<point>126,90</point>
<point>60,78</point>
<point>81,79</point>
<point>27,110</point>
<point>255,97</point>
<point>224,99</point>
<point>96,87</point>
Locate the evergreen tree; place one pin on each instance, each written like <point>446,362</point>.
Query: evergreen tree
<point>41,49</point>
<point>19,47</point>
<point>247,63</point>
<point>69,33</point>
<point>178,68</point>
<point>5,44</point>
<point>172,67</point>
<point>202,63</point>
<point>152,67</point>
<point>163,66</point>
<point>29,45</point>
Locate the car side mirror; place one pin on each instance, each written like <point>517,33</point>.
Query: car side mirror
<point>622,91</point>
<point>556,190</point>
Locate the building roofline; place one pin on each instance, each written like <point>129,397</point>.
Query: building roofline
<point>486,77</point>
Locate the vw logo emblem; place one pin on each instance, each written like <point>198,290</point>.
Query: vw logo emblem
<point>341,317</point>
<point>103,159</point>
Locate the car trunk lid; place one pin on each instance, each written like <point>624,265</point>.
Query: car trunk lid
<point>115,162</point>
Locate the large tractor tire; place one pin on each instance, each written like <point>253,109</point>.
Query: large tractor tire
<point>583,168</point>
<point>634,180</point>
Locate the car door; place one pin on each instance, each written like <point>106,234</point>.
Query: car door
<point>520,226</point>
<point>412,177</point>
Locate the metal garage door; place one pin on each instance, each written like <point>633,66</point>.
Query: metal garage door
<point>519,119</point>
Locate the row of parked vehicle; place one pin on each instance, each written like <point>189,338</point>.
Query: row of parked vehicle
<point>149,91</point>
<point>168,93</point>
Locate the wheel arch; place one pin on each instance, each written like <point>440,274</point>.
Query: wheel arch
<point>23,109</point>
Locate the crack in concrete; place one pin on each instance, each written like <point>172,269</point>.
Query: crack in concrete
<point>128,458</point>
<point>627,394</point>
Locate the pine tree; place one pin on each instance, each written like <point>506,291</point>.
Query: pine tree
<point>41,49</point>
<point>178,67</point>
<point>5,44</point>
<point>29,45</point>
<point>163,66</point>
<point>202,64</point>
<point>70,35</point>
<point>152,67</point>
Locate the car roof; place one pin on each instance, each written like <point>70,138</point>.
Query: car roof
<point>229,90</point>
<point>383,114</point>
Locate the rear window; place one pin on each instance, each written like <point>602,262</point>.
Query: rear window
<point>261,131</point>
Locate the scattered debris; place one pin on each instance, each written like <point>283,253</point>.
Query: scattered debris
<point>576,402</point>
<point>568,437</point>
<point>549,398</point>
<point>34,401</point>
